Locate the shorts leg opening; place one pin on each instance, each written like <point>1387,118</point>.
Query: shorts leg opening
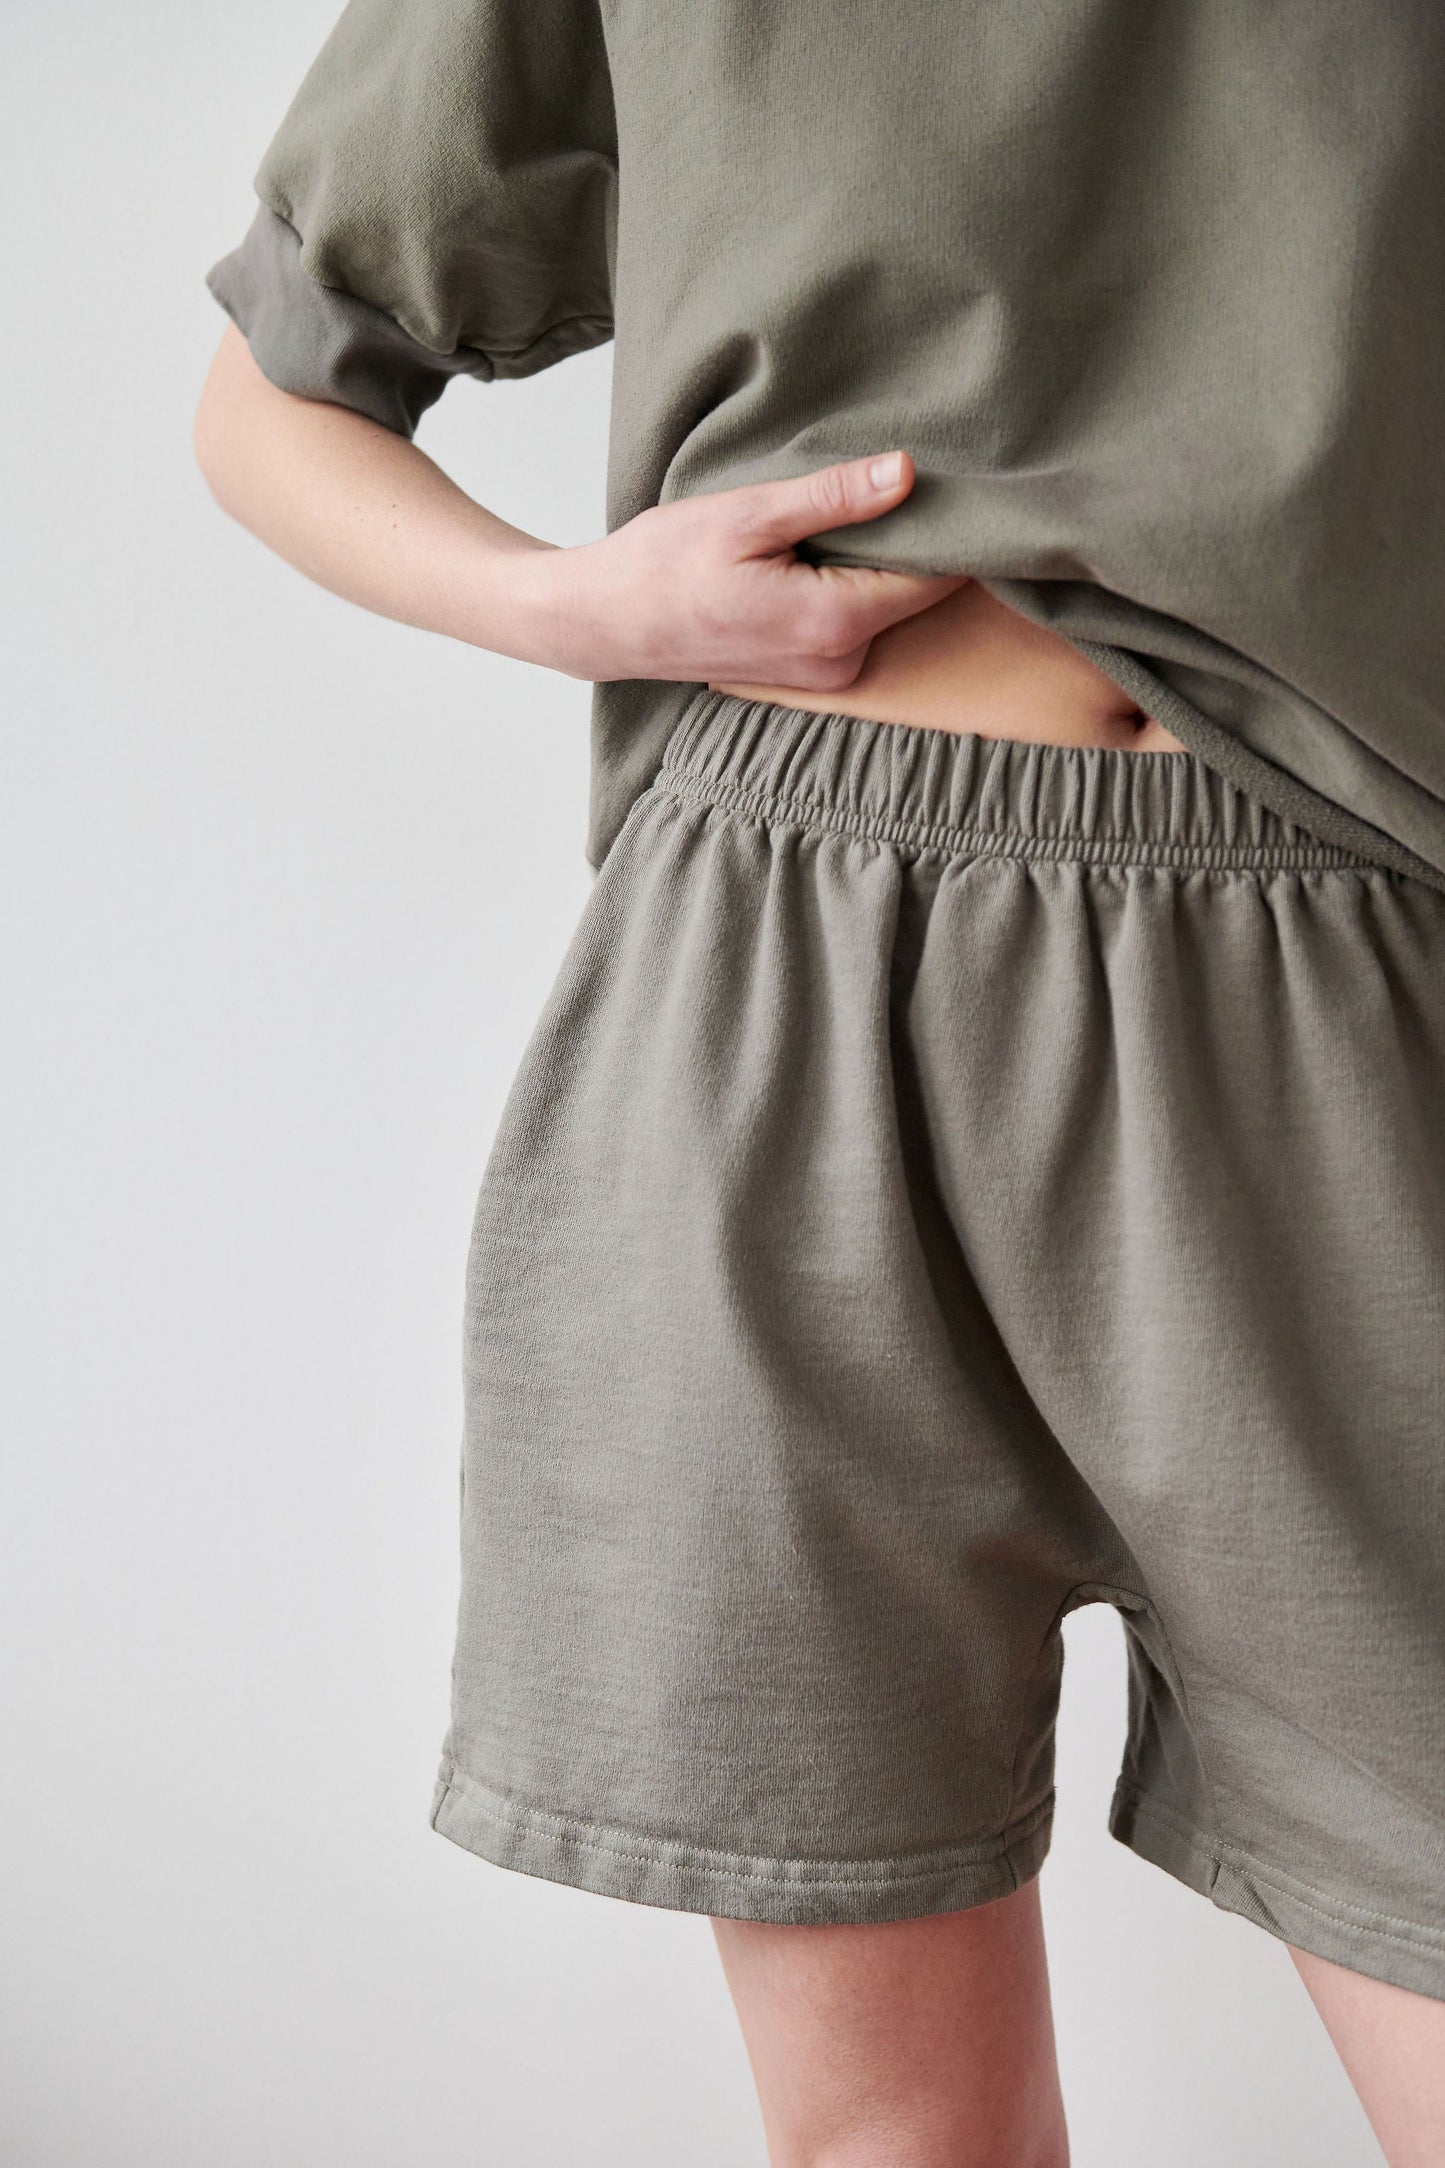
<point>642,1868</point>
<point>1401,1952</point>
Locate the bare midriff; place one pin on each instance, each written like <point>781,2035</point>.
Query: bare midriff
<point>971,664</point>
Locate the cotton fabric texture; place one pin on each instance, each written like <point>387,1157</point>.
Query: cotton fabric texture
<point>1152,290</point>
<point>952,1181</point>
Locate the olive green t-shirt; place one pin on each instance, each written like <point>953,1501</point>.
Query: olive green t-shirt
<point>1152,290</point>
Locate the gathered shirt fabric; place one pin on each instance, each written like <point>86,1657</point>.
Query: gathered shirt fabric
<point>1153,291</point>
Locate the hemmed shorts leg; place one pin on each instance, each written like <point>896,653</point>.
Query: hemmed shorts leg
<point>686,1877</point>
<point>953,1180</point>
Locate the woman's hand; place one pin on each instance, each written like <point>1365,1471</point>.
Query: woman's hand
<point>711,587</point>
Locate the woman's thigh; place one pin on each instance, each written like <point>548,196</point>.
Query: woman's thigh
<point>1392,2044</point>
<point>924,2043</point>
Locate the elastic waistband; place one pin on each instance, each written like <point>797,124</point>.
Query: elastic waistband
<point>935,791</point>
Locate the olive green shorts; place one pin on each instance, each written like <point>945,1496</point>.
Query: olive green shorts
<point>953,1181</point>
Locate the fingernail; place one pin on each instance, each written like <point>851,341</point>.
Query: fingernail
<point>884,472</point>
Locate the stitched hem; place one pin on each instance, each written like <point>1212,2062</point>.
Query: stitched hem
<point>1405,1953</point>
<point>644,1869</point>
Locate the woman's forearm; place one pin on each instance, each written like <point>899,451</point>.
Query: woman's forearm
<point>708,587</point>
<point>364,512</point>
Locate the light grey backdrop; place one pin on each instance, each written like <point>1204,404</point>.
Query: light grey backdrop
<point>283,890</point>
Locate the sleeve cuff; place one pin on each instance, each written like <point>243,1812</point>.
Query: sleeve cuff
<point>320,343</point>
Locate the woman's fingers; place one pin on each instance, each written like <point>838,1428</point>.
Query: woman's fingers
<point>769,517</point>
<point>850,603</point>
<point>710,586</point>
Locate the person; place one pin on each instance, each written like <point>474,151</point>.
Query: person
<point>982,1152</point>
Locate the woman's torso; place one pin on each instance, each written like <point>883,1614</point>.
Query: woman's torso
<point>969,663</point>
<point>1152,296</point>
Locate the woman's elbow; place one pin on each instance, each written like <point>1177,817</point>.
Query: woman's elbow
<point>219,429</point>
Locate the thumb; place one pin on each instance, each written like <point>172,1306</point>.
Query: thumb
<point>774,515</point>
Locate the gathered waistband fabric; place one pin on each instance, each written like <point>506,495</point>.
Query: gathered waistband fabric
<point>934,791</point>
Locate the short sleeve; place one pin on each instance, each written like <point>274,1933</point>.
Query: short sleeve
<point>439,200</point>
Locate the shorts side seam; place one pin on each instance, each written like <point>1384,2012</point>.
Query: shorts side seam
<point>1175,1680</point>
